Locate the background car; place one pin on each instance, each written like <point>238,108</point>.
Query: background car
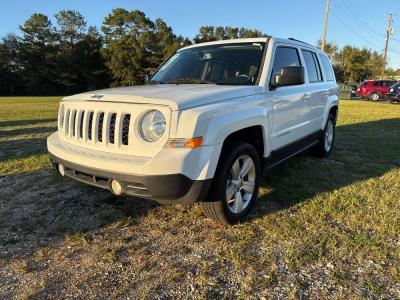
<point>394,93</point>
<point>354,90</point>
<point>374,90</point>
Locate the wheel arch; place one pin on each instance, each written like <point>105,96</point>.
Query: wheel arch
<point>335,111</point>
<point>254,135</point>
<point>332,106</point>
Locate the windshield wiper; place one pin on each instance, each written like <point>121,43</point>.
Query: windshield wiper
<point>189,81</point>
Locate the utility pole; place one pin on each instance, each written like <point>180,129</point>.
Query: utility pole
<point>328,4</point>
<point>389,32</point>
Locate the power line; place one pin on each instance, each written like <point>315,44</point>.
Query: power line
<point>353,31</point>
<point>360,36</point>
<point>367,28</point>
<point>363,25</point>
<point>389,32</point>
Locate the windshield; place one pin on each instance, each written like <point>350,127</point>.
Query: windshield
<point>395,84</point>
<point>237,64</point>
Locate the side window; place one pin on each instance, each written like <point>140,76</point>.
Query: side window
<point>319,71</point>
<point>329,75</point>
<point>378,83</point>
<point>284,57</point>
<point>312,65</point>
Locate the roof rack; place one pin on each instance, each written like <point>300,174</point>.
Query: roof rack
<point>292,39</point>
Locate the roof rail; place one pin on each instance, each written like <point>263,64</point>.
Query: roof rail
<point>292,39</point>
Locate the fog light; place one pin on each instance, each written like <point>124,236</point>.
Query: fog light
<point>61,169</point>
<point>116,187</point>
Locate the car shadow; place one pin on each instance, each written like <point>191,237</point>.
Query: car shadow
<point>30,131</point>
<point>362,151</point>
<point>22,148</point>
<point>26,122</point>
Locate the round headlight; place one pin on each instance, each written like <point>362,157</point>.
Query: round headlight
<point>152,126</point>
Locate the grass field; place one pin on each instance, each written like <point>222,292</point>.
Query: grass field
<point>321,228</point>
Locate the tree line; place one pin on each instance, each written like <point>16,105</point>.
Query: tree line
<point>69,56</point>
<point>354,65</point>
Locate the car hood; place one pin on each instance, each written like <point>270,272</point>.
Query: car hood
<point>178,97</point>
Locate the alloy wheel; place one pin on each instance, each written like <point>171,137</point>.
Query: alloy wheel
<point>240,184</point>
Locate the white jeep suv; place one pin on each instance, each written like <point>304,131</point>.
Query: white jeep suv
<point>212,119</point>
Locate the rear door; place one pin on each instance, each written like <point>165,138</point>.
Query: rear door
<point>289,102</point>
<point>317,91</point>
<point>379,86</point>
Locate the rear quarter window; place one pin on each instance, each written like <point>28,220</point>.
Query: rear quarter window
<point>329,75</point>
<point>390,83</point>
<point>312,65</point>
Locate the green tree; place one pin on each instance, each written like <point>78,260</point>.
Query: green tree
<point>37,30</point>
<point>123,51</point>
<point>72,26</point>
<point>90,62</point>
<point>134,45</point>
<point>37,54</point>
<point>250,33</point>
<point>80,65</point>
<point>162,45</point>
<point>355,65</point>
<point>206,34</point>
<point>10,68</point>
<point>211,33</point>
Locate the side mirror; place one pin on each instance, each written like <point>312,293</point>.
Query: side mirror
<point>289,76</point>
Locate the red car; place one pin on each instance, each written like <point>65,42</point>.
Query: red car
<point>374,90</point>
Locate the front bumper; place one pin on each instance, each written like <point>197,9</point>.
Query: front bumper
<point>393,97</point>
<point>166,189</point>
<point>171,177</point>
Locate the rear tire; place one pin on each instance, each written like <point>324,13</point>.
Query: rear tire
<point>325,145</point>
<point>374,97</point>
<point>235,185</point>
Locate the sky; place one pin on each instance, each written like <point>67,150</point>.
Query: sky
<point>360,23</point>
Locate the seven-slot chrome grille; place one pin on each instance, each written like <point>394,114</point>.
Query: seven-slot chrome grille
<point>107,126</point>
<point>95,126</point>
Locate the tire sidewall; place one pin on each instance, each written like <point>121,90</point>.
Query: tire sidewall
<point>330,118</point>
<point>230,155</point>
<point>372,95</point>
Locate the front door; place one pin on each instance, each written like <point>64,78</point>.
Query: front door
<point>289,102</point>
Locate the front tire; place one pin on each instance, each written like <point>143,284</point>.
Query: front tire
<point>235,185</point>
